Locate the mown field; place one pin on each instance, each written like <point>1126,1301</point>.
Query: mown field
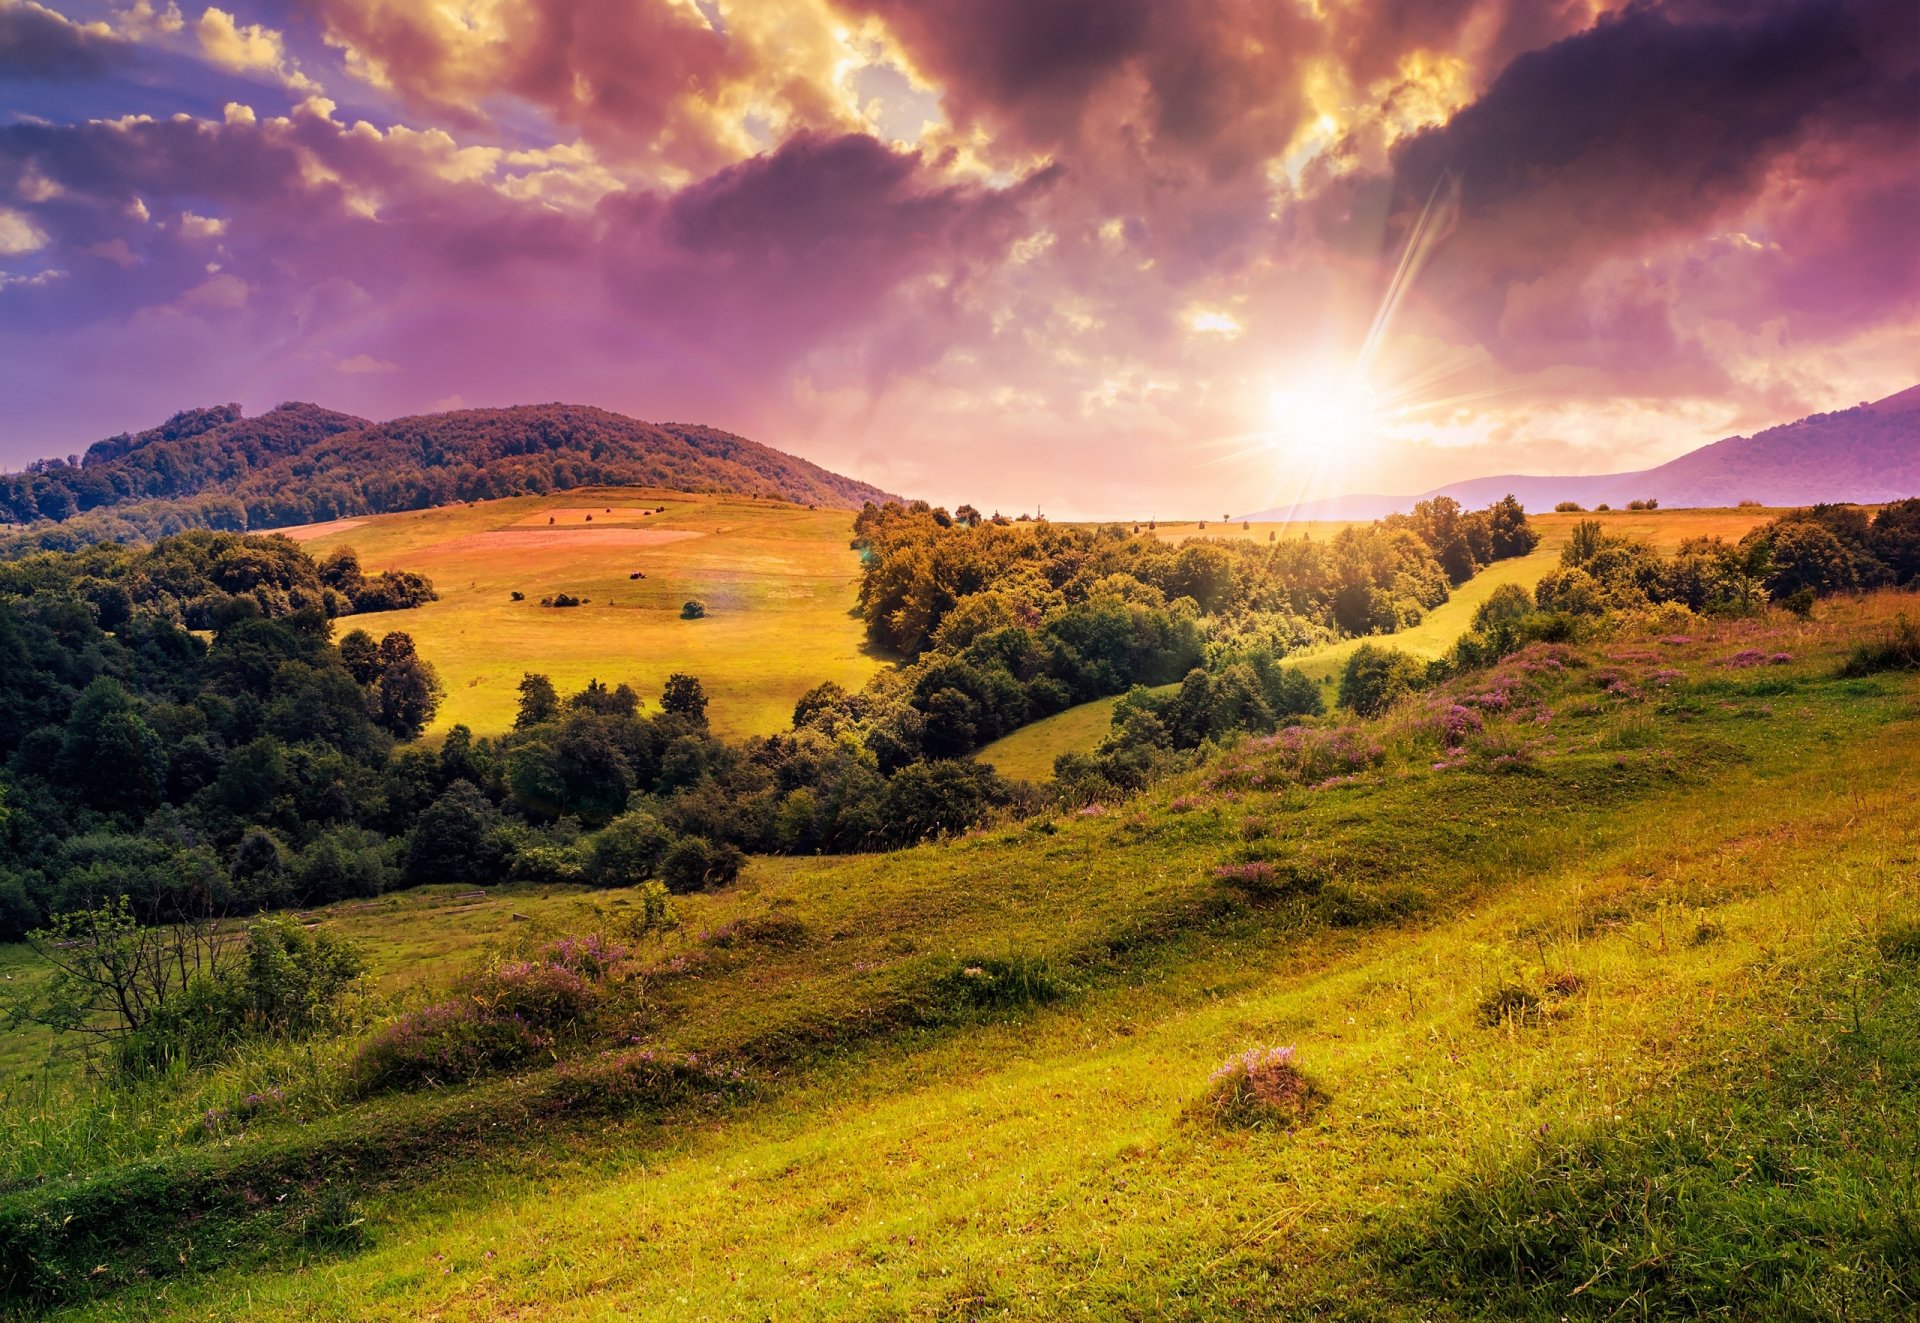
<point>778,582</point>
<point>1615,1012</point>
<point>1030,751</point>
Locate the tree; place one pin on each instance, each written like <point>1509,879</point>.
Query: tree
<point>683,697</point>
<point>111,973</point>
<point>407,696</point>
<point>361,656</point>
<point>628,850</point>
<point>539,701</point>
<point>454,839</point>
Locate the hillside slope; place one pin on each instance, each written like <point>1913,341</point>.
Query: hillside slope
<point>299,463</point>
<point>1604,1010</point>
<point>1867,454</point>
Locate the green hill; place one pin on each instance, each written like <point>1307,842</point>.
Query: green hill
<point>1607,999</point>
<point>300,463</point>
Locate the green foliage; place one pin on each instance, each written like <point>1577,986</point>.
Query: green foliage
<point>456,839</point>
<point>693,863</point>
<point>1898,651</point>
<point>628,851</point>
<point>1375,678</point>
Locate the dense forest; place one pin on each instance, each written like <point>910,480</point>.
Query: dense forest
<point>299,463</point>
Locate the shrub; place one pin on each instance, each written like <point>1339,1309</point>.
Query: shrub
<point>628,850</point>
<point>693,610</point>
<point>1899,651</point>
<point>1570,507</point>
<point>451,1042</point>
<point>1269,879</point>
<point>545,996</point>
<point>1510,1002</point>
<point>1259,1087</point>
<point>693,863</point>
<point>1375,677</point>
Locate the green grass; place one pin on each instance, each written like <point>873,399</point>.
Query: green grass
<point>778,580</point>
<point>1711,918</point>
<point>1029,752</point>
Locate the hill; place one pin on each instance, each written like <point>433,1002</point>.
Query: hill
<point>1590,1008</point>
<point>778,581</point>
<point>299,463</point>
<point>1866,455</point>
<point>1030,751</point>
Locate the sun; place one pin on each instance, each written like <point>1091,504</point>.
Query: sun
<point>1320,419</point>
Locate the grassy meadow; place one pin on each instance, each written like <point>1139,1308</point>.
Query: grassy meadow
<point>1029,752</point>
<point>1613,1012</point>
<point>778,582</point>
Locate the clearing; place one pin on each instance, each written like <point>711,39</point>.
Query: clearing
<point>778,582</point>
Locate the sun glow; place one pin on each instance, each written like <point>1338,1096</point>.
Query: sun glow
<point>1318,419</point>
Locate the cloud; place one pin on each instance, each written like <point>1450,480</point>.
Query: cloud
<point>1013,239</point>
<point>248,49</point>
<point>1656,126</point>
<point>201,227</point>
<point>18,234</point>
<point>36,42</point>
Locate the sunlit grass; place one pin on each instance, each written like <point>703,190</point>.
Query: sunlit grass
<point>1685,909</point>
<point>778,580</point>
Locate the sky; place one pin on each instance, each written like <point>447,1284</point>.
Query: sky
<point>1096,257</point>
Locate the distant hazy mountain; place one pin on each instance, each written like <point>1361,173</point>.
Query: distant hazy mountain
<point>214,468</point>
<point>1865,454</point>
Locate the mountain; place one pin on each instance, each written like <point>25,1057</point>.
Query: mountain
<point>216,468</point>
<point>1866,454</point>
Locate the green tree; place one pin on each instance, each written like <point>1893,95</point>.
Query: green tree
<point>539,701</point>
<point>684,698</point>
<point>455,839</point>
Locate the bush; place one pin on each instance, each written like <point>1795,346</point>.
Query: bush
<point>1262,1086</point>
<point>1899,651</point>
<point>451,1042</point>
<point>1010,983</point>
<point>1375,677</point>
<point>1570,507</point>
<point>628,850</point>
<point>291,982</point>
<point>693,610</point>
<point>693,863</point>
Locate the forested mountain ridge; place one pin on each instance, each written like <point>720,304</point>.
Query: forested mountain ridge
<point>215,468</point>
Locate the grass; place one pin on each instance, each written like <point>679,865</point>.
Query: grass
<point>1713,926</point>
<point>778,581</point>
<point>1029,752</point>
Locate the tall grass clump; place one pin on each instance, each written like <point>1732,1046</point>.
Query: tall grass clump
<point>1899,650</point>
<point>1260,1087</point>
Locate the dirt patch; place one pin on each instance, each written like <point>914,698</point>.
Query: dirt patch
<point>574,516</point>
<point>308,532</point>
